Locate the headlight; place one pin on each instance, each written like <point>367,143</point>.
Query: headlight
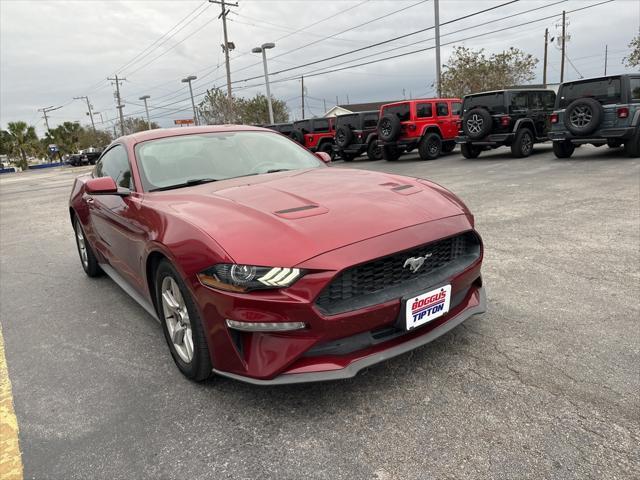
<point>243,278</point>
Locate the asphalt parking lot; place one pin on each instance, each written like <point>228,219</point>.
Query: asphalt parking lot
<point>544,385</point>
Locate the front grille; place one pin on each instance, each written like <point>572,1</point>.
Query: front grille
<point>386,278</point>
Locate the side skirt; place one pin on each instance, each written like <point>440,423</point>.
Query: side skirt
<point>122,283</point>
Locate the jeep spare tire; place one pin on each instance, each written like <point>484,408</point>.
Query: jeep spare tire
<point>583,116</point>
<point>477,123</point>
<point>298,136</point>
<point>344,136</point>
<point>389,128</point>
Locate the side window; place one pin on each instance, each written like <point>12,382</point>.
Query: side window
<point>548,100</point>
<point>115,164</point>
<point>518,102</point>
<point>635,89</point>
<point>442,109</point>
<point>370,121</point>
<point>320,125</point>
<point>535,100</point>
<point>424,110</point>
<point>456,108</point>
<point>402,111</point>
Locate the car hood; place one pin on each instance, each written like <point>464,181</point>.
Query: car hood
<point>285,218</point>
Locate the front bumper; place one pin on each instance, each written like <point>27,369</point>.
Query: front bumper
<point>476,304</point>
<point>495,139</point>
<point>600,136</point>
<point>352,148</point>
<point>264,357</point>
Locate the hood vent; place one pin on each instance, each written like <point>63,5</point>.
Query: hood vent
<point>301,211</point>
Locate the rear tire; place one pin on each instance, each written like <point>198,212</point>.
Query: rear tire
<point>632,146</point>
<point>186,333</point>
<point>430,146</point>
<point>390,153</point>
<point>327,148</point>
<point>374,152</point>
<point>522,146</point>
<point>614,143</point>
<point>563,149</point>
<point>347,157</point>
<point>470,151</point>
<point>87,257</point>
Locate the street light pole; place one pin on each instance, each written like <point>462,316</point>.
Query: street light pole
<point>263,49</point>
<point>193,103</point>
<point>436,8</point>
<point>146,108</point>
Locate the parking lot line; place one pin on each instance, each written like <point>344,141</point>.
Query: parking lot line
<point>10,458</point>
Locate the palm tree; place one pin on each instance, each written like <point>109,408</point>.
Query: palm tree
<point>22,139</point>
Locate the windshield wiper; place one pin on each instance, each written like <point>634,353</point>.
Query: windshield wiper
<point>275,170</point>
<point>188,183</point>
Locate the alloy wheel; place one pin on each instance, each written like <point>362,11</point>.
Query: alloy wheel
<point>177,319</point>
<point>474,123</point>
<point>581,116</point>
<point>527,144</point>
<point>82,246</point>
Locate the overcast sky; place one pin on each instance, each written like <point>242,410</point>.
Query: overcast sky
<point>52,51</point>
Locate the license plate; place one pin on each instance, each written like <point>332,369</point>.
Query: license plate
<point>428,306</point>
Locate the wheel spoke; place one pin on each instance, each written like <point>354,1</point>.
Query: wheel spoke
<point>170,302</point>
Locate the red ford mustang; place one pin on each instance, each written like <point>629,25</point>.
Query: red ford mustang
<point>264,264</point>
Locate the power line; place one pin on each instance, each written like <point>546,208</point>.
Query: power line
<point>324,71</point>
<point>164,37</point>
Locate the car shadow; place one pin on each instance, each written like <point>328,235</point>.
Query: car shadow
<point>384,379</point>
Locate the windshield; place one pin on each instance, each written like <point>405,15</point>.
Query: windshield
<point>606,91</point>
<point>190,159</point>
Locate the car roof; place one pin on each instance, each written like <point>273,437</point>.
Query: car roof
<point>157,133</point>
<point>604,77</point>
<point>533,89</point>
<point>434,99</point>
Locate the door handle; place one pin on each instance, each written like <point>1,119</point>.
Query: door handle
<point>89,200</point>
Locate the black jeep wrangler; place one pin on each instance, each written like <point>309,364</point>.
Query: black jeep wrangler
<point>356,133</point>
<point>283,128</point>
<point>599,111</point>
<point>516,117</point>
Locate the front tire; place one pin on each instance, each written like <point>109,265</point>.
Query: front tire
<point>181,324</point>
<point>327,148</point>
<point>563,149</point>
<point>430,146</point>
<point>522,146</point>
<point>87,257</point>
<point>470,151</point>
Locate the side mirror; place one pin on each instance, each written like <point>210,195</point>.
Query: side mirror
<point>104,186</point>
<point>324,156</point>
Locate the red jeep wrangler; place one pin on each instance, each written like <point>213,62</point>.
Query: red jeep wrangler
<point>315,133</point>
<point>430,124</point>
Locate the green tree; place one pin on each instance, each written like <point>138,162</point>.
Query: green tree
<point>469,71</point>
<point>66,136</point>
<point>135,124</point>
<point>216,108</point>
<point>20,140</point>
<point>633,59</point>
<point>256,110</point>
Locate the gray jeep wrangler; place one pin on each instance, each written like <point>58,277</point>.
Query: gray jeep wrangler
<point>599,111</point>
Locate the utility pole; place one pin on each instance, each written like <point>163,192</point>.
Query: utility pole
<point>146,108</point>
<point>606,55</point>
<point>564,33</point>
<point>436,10</point>
<point>324,103</point>
<point>546,44</point>
<point>46,110</point>
<point>302,81</point>
<point>119,106</point>
<point>84,97</point>
<point>227,45</point>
